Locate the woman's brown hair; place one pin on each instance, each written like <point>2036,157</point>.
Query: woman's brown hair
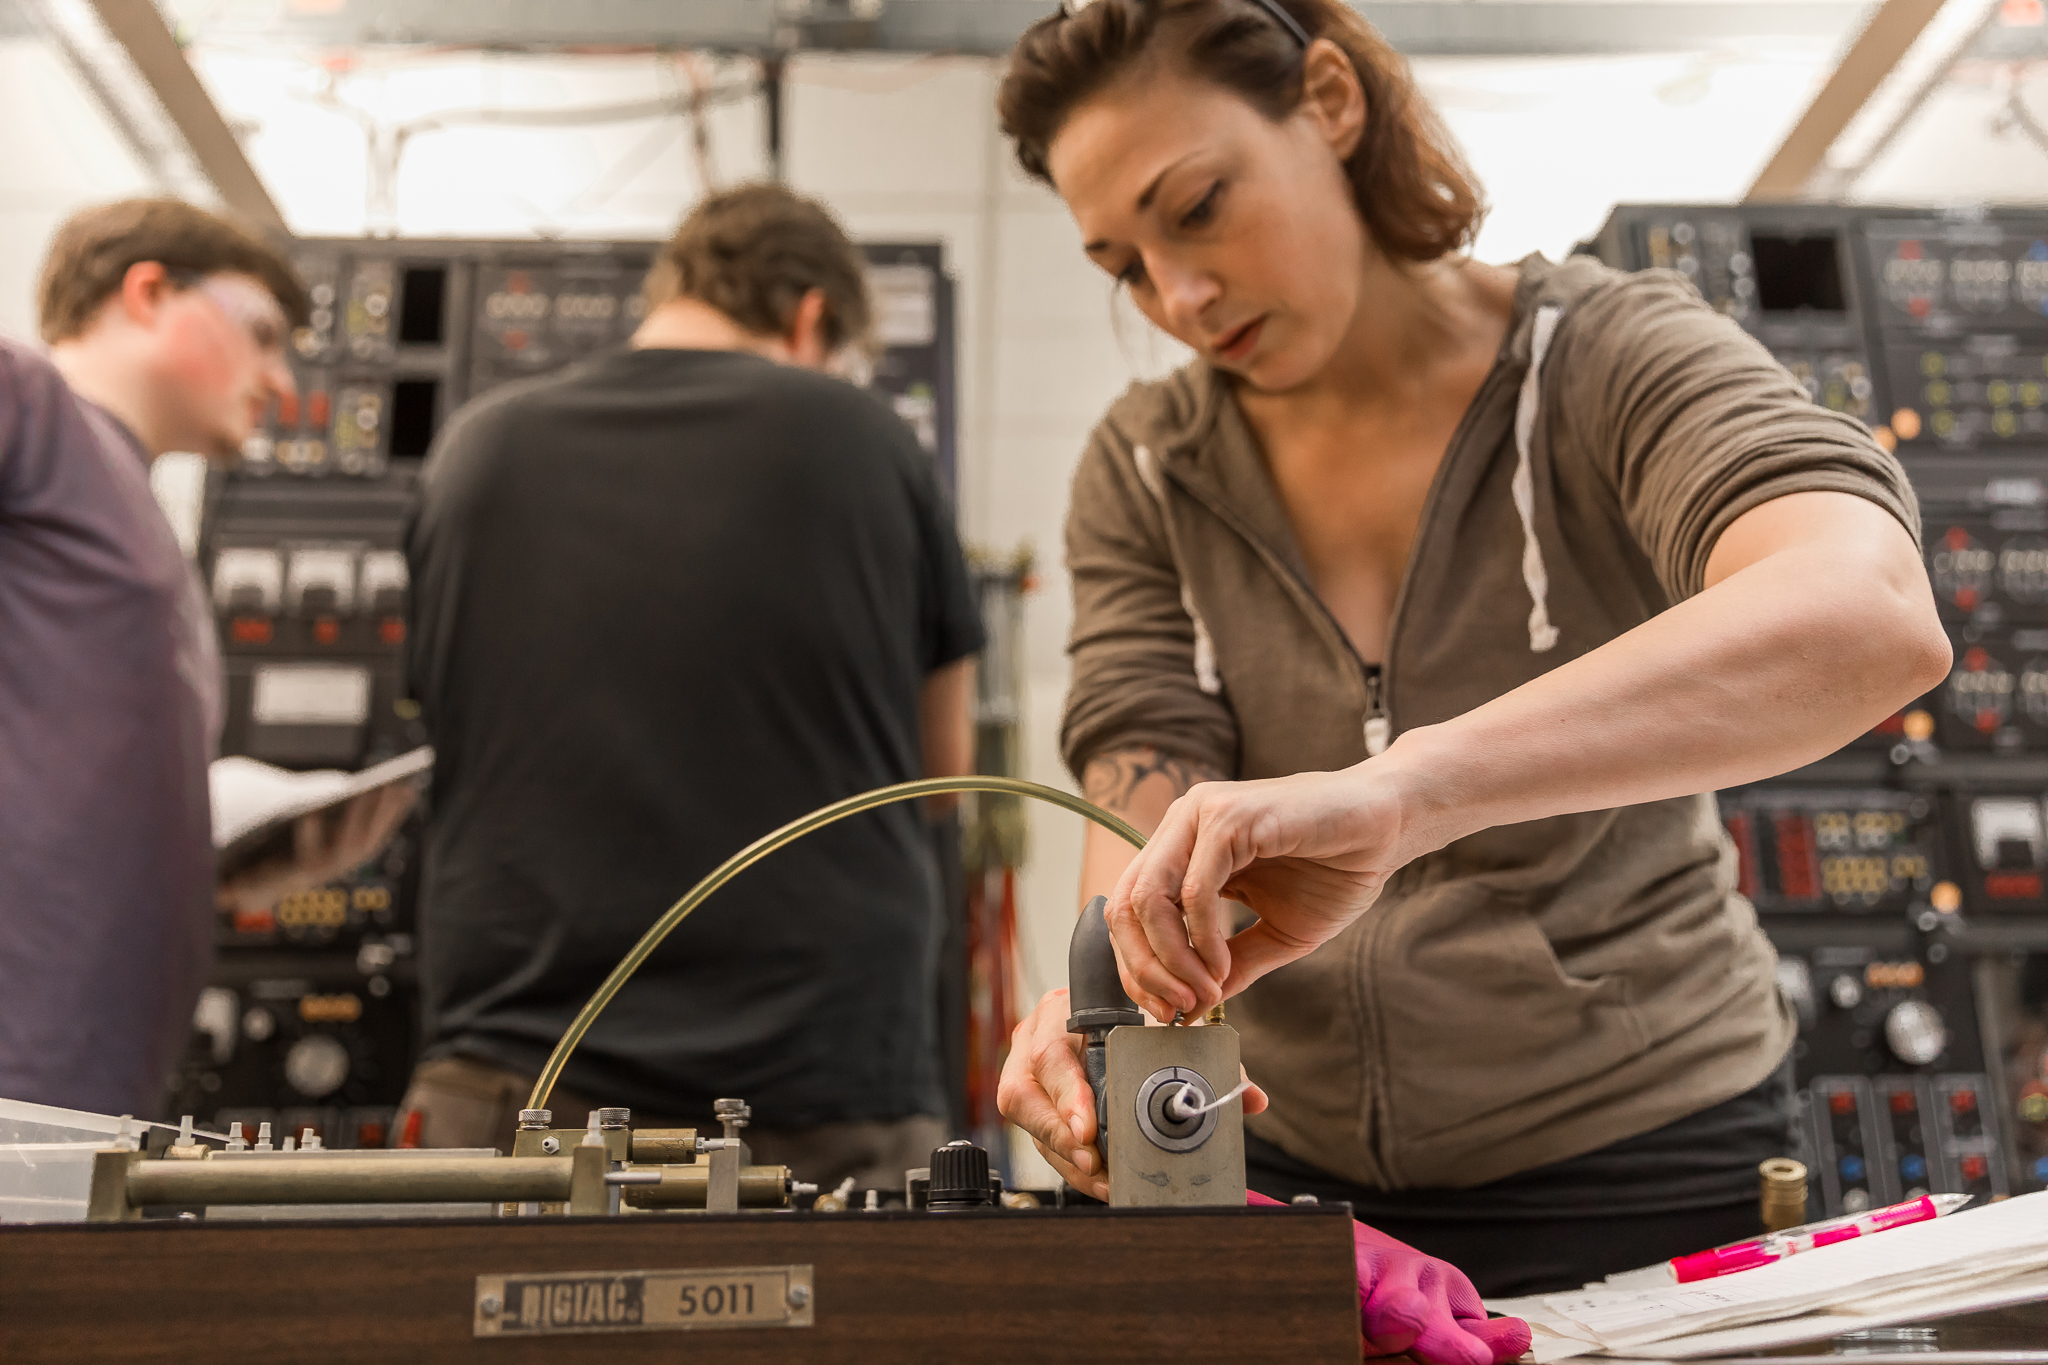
<point>1411,185</point>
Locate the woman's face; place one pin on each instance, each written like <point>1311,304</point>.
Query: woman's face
<point>1235,234</point>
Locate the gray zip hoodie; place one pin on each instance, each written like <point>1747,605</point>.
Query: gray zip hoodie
<point>1533,991</point>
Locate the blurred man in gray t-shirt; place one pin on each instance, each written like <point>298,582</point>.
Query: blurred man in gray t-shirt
<point>166,328</point>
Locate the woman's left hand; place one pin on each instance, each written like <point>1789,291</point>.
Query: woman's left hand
<point>1308,854</point>
<point>1412,1303</point>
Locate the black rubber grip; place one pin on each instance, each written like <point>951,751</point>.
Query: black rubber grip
<point>1097,993</point>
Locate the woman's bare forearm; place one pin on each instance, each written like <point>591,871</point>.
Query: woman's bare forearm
<point>1137,783</point>
<point>1792,651</point>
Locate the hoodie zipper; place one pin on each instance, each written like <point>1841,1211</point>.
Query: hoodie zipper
<point>1377,730</point>
<point>1379,726</point>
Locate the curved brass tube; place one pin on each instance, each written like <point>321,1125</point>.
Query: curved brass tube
<point>767,844</point>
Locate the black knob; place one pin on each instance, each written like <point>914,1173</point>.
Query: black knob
<point>959,1178</point>
<point>1095,991</point>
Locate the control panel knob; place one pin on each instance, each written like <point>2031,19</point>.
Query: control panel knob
<point>1846,991</point>
<point>1795,983</point>
<point>1915,1032</point>
<point>959,1178</point>
<point>317,1065</point>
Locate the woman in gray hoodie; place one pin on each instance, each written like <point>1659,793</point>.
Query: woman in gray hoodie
<point>1455,588</point>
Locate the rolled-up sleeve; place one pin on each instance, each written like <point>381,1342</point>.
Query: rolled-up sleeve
<point>1133,642</point>
<point>1698,424</point>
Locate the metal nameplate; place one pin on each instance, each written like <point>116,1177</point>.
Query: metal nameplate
<point>643,1300</point>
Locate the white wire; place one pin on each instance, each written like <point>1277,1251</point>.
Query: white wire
<point>1187,1111</point>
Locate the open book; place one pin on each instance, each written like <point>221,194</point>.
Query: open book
<point>255,804</point>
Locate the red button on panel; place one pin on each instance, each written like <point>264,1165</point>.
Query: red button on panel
<point>1963,1101</point>
<point>316,408</point>
<point>327,630</point>
<point>288,409</point>
<point>1842,1102</point>
<point>249,630</point>
<point>1973,1168</point>
<point>1902,1102</point>
<point>392,630</point>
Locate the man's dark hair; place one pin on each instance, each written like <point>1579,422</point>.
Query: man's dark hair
<point>94,249</point>
<point>754,251</point>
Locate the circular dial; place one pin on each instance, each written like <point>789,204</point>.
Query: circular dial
<point>1915,1032</point>
<point>1979,281</point>
<point>1913,281</point>
<point>1161,1122</point>
<point>2023,569</point>
<point>2033,689</point>
<point>1961,567</point>
<point>1980,690</point>
<point>258,1024</point>
<point>1846,992</point>
<point>2030,277</point>
<point>316,1065</point>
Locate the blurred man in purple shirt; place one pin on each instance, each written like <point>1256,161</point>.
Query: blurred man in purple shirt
<point>167,328</point>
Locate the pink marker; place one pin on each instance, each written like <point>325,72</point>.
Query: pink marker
<point>1726,1260</point>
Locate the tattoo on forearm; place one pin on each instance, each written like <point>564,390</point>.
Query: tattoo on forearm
<point>1112,780</point>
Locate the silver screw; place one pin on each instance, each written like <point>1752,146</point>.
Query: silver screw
<point>551,1145</point>
<point>489,1305</point>
<point>799,1295</point>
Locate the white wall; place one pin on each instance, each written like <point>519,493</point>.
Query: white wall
<point>1556,141</point>
<point>1961,150</point>
<point>60,155</point>
<point>304,116</point>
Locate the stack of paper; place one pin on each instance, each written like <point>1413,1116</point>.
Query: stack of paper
<point>1979,1258</point>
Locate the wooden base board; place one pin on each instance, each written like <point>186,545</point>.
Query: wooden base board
<point>1076,1286</point>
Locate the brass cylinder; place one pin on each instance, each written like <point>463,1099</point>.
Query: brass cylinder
<point>685,1187</point>
<point>664,1146</point>
<point>1783,1193</point>
<point>344,1180</point>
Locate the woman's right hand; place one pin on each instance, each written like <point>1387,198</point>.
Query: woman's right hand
<point>1045,1092</point>
<point>1307,854</point>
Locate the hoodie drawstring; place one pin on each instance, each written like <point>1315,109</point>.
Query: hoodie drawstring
<point>1542,635</point>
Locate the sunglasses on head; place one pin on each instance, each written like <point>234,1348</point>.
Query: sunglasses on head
<point>1070,8</point>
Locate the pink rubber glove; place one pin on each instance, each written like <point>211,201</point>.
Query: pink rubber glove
<point>1426,1307</point>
